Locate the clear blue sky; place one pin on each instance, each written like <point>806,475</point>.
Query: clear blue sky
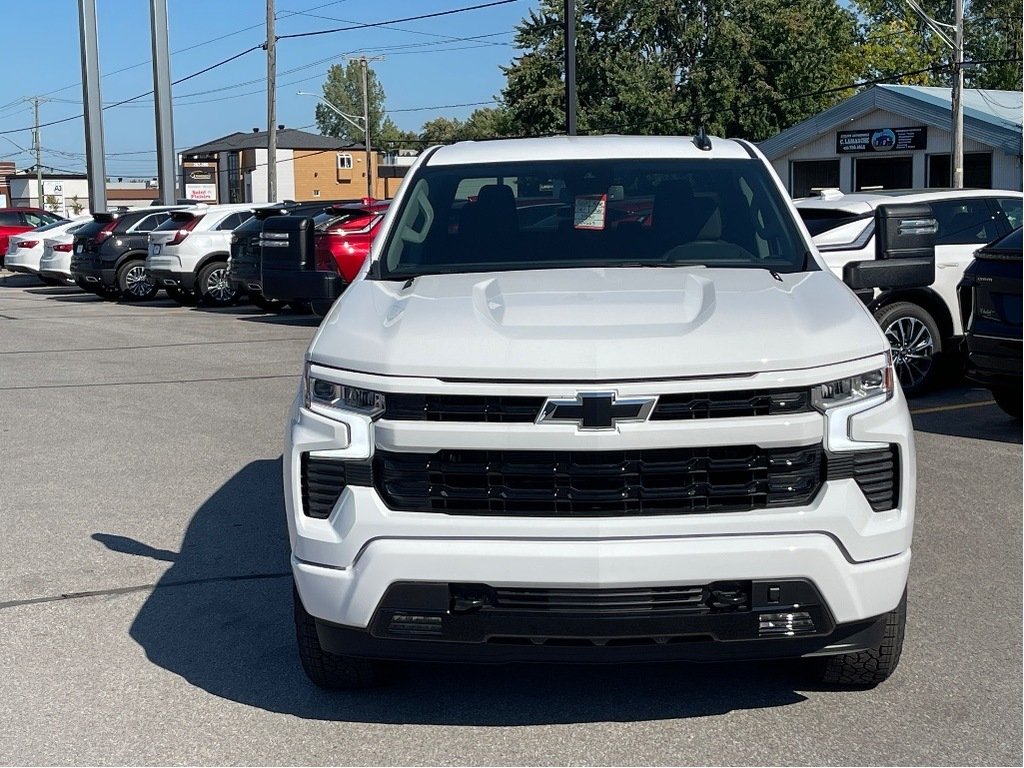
<point>422,67</point>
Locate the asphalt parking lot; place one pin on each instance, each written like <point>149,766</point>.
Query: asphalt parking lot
<point>145,595</point>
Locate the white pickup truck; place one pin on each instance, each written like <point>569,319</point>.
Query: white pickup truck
<point>598,399</point>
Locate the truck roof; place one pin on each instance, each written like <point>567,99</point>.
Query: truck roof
<point>585,148</point>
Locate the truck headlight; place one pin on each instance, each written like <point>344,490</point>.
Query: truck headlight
<point>855,388</point>
<point>330,394</point>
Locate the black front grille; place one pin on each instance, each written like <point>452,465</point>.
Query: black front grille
<point>640,600</point>
<point>721,405</point>
<point>490,409</point>
<point>524,410</point>
<point>876,472</point>
<point>323,480</point>
<point>599,483</point>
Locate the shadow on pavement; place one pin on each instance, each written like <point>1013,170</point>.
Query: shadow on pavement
<point>55,290</point>
<point>19,280</point>
<point>220,617</point>
<point>295,319</point>
<point>965,411</point>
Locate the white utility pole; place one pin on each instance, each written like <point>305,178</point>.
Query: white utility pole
<point>271,105</point>
<point>956,43</point>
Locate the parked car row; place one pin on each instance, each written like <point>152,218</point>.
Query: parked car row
<point>216,255</point>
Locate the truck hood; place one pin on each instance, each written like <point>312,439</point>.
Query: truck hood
<point>596,324</point>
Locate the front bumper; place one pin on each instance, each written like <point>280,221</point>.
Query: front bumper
<point>855,558</point>
<point>433,621</point>
<point>994,359</point>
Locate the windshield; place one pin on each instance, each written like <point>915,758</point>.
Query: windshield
<point>592,213</point>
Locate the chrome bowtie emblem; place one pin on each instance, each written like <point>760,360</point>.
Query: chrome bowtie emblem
<point>596,410</point>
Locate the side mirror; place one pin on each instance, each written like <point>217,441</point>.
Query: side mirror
<point>288,262</point>
<point>904,250</point>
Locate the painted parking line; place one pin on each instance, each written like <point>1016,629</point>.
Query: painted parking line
<point>952,407</point>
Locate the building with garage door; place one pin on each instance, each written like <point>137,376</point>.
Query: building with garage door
<point>898,137</point>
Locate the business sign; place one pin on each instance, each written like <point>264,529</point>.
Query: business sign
<point>199,175</point>
<point>201,193</point>
<point>882,139</point>
<point>53,197</point>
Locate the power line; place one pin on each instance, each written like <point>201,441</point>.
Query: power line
<point>217,39</point>
<point>140,95</point>
<point>368,25</point>
<point>448,38</point>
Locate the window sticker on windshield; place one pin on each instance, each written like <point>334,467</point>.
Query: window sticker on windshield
<point>589,211</point>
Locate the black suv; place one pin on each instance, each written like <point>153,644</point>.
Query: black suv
<point>990,307</point>
<point>245,267</point>
<point>109,256</point>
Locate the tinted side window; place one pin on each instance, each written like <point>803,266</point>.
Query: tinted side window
<point>149,223</point>
<point>1011,208</point>
<point>34,219</point>
<point>232,221</point>
<point>9,219</point>
<point>965,222</point>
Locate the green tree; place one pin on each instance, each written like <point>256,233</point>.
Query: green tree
<point>441,130</point>
<point>391,136</point>
<point>344,89</point>
<point>668,66</point>
<point>992,33</point>
<point>487,123</point>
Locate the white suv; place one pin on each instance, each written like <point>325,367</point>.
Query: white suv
<point>921,322</point>
<point>188,254</point>
<point>25,250</point>
<point>597,399</point>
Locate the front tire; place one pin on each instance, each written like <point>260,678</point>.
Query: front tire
<point>213,287</point>
<point>329,670</point>
<point>134,283</point>
<point>320,307</point>
<point>868,668</point>
<point>1009,399</point>
<point>914,337</point>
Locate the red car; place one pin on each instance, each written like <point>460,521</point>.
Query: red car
<point>14,221</point>
<point>344,235</point>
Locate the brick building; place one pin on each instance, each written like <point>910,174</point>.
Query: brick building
<point>233,169</point>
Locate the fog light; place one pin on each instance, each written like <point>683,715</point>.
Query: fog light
<point>784,624</point>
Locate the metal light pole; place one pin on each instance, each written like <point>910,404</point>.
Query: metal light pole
<point>166,161</point>
<point>94,158</point>
<point>353,120</point>
<point>271,105</point>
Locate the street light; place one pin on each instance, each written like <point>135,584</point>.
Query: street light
<point>361,123</point>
